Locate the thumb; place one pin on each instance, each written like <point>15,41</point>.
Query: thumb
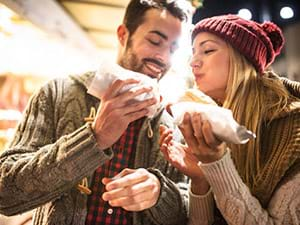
<point>168,108</point>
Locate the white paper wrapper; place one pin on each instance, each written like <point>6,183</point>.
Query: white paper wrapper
<point>223,124</point>
<point>109,72</point>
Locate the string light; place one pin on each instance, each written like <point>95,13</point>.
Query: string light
<point>286,12</point>
<point>245,13</point>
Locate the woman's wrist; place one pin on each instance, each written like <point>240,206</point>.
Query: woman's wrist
<point>199,186</point>
<point>219,153</point>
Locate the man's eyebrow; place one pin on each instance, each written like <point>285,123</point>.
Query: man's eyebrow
<point>160,34</point>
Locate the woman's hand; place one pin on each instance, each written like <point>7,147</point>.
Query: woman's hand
<point>200,138</point>
<point>181,157</point>
<point>178,154</point>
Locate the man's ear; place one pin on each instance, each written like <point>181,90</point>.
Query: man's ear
<point>122,33</point>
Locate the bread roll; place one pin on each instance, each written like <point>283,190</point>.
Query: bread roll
<point>195,95</point>
<point>222,123</point>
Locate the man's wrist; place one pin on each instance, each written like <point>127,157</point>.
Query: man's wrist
<point>99,140</point>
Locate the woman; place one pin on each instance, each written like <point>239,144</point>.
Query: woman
<point>254,183</point>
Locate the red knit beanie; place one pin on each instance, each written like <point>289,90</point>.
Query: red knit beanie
<point>259,43</point>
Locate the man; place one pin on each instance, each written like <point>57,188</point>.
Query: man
<point>54,149</point>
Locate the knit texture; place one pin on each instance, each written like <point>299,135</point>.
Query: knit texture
<point>259,43</point>
<point>53,150</point>
<point>281,154</point>
<point>276,188</point>
<point>236,202</point>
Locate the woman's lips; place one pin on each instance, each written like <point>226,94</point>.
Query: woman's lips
<point>198,75</point>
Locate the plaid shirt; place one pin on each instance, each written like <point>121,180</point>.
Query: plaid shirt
<point>99,211</point>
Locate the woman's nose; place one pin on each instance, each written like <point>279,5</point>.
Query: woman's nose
<point>195,62</point>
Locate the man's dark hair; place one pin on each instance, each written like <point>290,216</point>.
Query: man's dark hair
<point>136,9</point>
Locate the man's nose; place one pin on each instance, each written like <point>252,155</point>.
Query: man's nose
<point>162,57</point>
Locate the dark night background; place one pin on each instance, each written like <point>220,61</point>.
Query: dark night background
<point>258,8</point>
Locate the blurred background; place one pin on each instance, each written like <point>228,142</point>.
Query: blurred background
<point>285,13</point>
<point>44,39</point>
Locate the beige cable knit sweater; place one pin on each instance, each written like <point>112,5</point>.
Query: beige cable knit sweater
<point>233,198</point>
<point>236,203</point>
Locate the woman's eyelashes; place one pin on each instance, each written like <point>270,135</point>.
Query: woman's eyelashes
<point>204,51</point>
<point>208,51</point>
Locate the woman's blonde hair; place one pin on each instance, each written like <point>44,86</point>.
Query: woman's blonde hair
<point>254,99</point>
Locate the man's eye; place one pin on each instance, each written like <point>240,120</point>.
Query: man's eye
<point>154,42</point>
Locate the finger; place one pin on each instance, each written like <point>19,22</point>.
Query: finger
<point>167,151</point>
<point>185,126</point>
<point>127,100</point>
<point>128,192</point>
<point>133,92</point>
<point>210,139</point>
<point>168,139</point>
<point>136,115</point>
<point>106,180</point>
<point>168,108</point>
<point>134,111</point>
<point>124,172</point>
<point>164,150</point>
<point>165,143</point>
<point>132,200</point>
<point>127,178</point>
<point>139,207</point>
<point>116,86</point>
<point>197,126</point>
<point>188,132</point>
<point>134,207</point>
<point>140,201</point>
<point>162,128</point>
<point>138,105</point>
<point>164,133</point>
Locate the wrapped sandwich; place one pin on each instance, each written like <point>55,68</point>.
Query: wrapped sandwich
<point>109,72</point>
<point>222,122</point>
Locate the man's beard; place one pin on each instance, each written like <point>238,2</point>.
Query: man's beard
<point>131,61</point>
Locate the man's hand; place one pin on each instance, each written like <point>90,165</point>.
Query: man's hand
<point>132,189</point>
<point>116,111</point>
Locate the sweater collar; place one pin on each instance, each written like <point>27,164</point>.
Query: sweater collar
<point>293,88</point>
<point>84,79</point>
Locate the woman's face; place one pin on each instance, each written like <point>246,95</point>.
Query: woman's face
<point>210,65</point>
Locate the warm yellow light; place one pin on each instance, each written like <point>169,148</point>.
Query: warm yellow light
<point>26,49</point>
<point>5,13</point>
